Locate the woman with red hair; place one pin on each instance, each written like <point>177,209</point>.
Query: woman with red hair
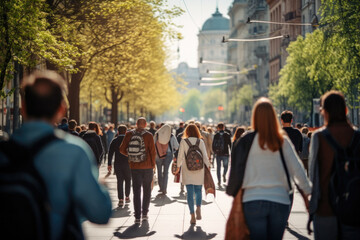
<point>192,179</point>
<point>264,164</point>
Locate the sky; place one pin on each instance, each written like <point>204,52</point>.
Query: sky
<point>192,20</point>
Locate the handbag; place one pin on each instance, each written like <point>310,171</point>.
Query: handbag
<point>236,227</point>
<point>209,184</point>
<point>177,177</point>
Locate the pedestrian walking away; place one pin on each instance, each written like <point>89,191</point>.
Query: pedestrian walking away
<point>139,146</point>
<point>334,162</point>
<point>64,164</point>
<point>166,145</point>
<point>264,163</point>
<point>92,137</point>
<point>221,147</point>
<point>192,159</point>
<point>121,166</point>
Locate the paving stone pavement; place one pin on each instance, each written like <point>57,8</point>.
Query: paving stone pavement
<point>169,216</point>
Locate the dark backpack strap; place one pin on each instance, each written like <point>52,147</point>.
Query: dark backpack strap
<point>197,142</point>
<point>285,168</point>
<point>188,142</point>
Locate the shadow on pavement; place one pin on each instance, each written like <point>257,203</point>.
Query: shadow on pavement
<point>121,212</point>
<point>161,200</point>
<point>296,234</point>
<point>197,233</point>
<point>134,231</point>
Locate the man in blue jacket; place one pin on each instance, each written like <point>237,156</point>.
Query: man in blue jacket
<point>67,164</point>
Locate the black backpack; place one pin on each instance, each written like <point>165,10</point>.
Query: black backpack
<point>344,188</point>
<point>24,205</point>
<point>219,143</point>
<point>194,158</point>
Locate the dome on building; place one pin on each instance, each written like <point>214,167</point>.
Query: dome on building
<point>216,22</point>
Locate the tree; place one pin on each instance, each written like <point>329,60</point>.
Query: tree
<point>341,23</point>
<point>210,102</point>
<point>192,103</point>
<point>306,74</point>
<point>25,38</point>
<point>134,67</point>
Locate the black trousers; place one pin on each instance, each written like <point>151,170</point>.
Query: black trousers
<point>141,178</point>
<point>123,174</point>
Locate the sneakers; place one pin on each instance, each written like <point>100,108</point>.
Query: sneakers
<point>145,217</point>
<point>137,221</point>
<point>127,200</point>
<point>121,203</point>
<point>219,184</point>
<point>224,178</point>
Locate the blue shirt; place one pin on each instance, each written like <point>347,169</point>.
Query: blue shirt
<point>69,172</point>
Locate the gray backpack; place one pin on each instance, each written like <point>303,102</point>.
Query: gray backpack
<point>136,149</point>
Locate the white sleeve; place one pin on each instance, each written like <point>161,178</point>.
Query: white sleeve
<point>295,166</point>
<point>174,143</point>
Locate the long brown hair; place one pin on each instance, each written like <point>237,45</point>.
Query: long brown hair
<point>265,122</point>
<point>239,131</point>
<point>192,131</point>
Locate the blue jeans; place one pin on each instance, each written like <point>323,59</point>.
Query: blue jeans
<point>225,160</point>
<point>190,196</point>
<point>162,166</point>
<point>141,178</point>
<point>265,219</point>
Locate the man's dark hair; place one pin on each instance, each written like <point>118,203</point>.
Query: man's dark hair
<point>220,125</point>
<point>286,116</point>
<point>333,102</point>
<point>181,124</point>
<point>72,124</point>
<point>43,93</point>
<point>122,129</point>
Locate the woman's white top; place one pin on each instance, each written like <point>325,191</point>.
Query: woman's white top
<point>265,177</point>
<point>187,176</point>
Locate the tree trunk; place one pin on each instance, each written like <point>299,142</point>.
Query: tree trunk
<point>74,96</point>
<point>114,107</point>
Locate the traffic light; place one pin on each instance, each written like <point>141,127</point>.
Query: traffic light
<point>220,108</point>
<point>182,110</point>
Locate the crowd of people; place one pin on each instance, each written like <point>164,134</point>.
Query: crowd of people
<point>268,160</point>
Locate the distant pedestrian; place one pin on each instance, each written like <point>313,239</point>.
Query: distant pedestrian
<point>121,166</point>
<point>304,154</point>
<point>238,133</point>
<point>259,170</point>
<point>324,172</point>
<point>138,145</point>
<point>72,126</point>
<point>192,179</point>
<point>152,128</point>
<point>64,124</point>
<point>166,145</point>
<point>91,136</point>
<point>110,135</point>
<point>293,133</point>
<point>221,147</point>
<point>180,129</point>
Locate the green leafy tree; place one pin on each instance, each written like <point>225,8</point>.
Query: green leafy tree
<point>26,38</point>
<point>192,103</point>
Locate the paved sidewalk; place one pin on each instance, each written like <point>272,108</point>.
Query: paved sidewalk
<point>169,217</point>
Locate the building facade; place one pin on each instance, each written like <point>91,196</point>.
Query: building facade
<point>248,55</point>
<point>210,47</point>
